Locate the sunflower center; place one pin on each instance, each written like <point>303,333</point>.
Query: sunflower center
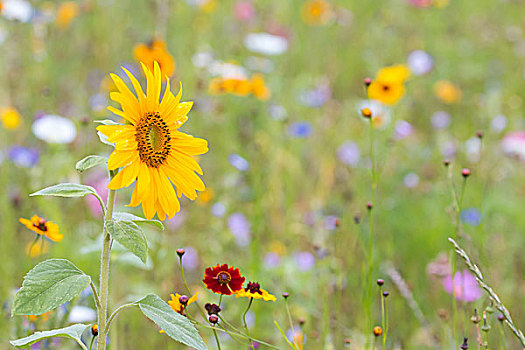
<point>223,277</point>
<point>386,88</point>
<point>153,138</point>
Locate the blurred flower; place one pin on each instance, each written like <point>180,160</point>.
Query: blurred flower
<point>277,112</point>
<point>513,144</point>
<point>470,216</point>
<point>464,287</point>
<point>317,97</point>
<point>316,12</point>
<point>81,314</point>
<point>98,102</point>
<point>266,44</point>
<point>44,317</point>
<point>447,92</point>
<point>10,117</point>
<point>205,196</point>
<point>388,86</point>
<point>238,162</point>
<point>240,87</point>
<point>403,129</point>
<point>296,336</point>
<point>155,51</point>
<point>473,148</point>
<point>202,59</point>
<point>349,153</point>
<point>54,129</point>
<point>411,180</point>
<point>42,227</point>
<point>253,290</point>
<point>223,279</point>
<point>420,62</point>
<point>421,3</point>
<point>218,209</point>
<point>259,88</point>
<point>440,266</point>
<point>499,123</point>
<point>23,156</point>
<point>440,120</point>
<point>191,259</point>
<point>244,11</point>
<point>35,249</point>
<point>300,130</point>
<point>305,261</point>
<point>18,10</point>
<point>272,260</point>
<point>331,222</point>
<point>150,149</point>
<point>175,304</point>
<point>66,13</point>
<point>448,149</point>
<point>239,227</point>
<point>97,179</point>
<point>380,113</point>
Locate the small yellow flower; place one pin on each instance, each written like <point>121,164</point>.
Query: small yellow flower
<point>259,88</point>
<point>388,87</point>
<point>66,13</point>
<point>10,117</point>
<point>44,317</point>
<point>253,290</point>
<point>208,6</point>
<point>156,51</point>
<point>43,227</point>
<point>176,305</point>
<point>447,92</point>
<point>206,196</point>
<point>317,12</point>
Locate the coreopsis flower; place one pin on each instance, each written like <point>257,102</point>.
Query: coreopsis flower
<point>447,92</point>
<point>317,12</point>
<point>10,118</point>
<point>43,227</point>
<point>66,13</point>
<point>388,86</point>
<point>177,306</point>
<point>155,51</point>
<point>150,149</point>
<point>259,88</point>
<point>223,279</point>
<point>253,290</point>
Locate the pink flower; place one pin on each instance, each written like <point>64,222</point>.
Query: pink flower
<point>99,181</point>
<point>513,144</point>
<point>465,286</point>
<point>243,11</point>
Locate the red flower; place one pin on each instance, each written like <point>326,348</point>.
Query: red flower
<point>223,279</point>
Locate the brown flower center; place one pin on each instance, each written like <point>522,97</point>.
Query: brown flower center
<point>153,138</point>
<point>41,225</point>
<point>253,287</point>
<point>223,277</point>
<point>386,88</point>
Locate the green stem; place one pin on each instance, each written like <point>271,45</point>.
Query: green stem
<point>95,295</point>
<point>216,338</point>
<point>244,321</point>
<point>116,312</point>
<point>291,322</point>
<point>104,273</point>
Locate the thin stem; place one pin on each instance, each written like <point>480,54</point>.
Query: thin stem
<point>216,338</point>
<point>383,318</point>
<point>95,295</point>
<point>116,312</point>
<point>385,325</point>
<point>104,272</point>
<point>238,335</point>
<point>91,344</point>
<point>291,322</point>
<point>244,321</point>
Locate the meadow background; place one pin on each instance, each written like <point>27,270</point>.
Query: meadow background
<point>287,176</point>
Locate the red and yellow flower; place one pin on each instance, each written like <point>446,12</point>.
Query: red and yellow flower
<point>43,227</point>
<point>223,279</point>
<point>253,290</point>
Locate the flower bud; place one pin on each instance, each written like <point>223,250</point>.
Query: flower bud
<point>386,294</point>
<point>367,82</point>
<point>213,319</point>
<point>369,205</point>
<point>465,172</point>
<point>501,318</point>
<point>446,162</point>
<point>301,321</point>
<point>94,330</point>
<point>378,331</point>
<point>180,252</point>
<point>380,282</point>
<point>286,295</point>
<point>183,299</point>
<point>366,112</point>
<point>465,344</point>
<point>479,134</point>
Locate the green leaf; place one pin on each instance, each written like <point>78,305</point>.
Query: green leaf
<point>106,122</point>
<point>69,190</point>
<point>137,219</point>
<point>48,285</point>
<point>89,162</point>
<point>175,325</point>
<point>104,139</point>
<point>74,332</point>
<point>130,236</point>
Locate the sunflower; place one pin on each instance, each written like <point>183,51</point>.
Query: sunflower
<point>253,290</point>
<point>155,51</point>
<point>177,306</point>
<point>150,149</point>
<point>43,227</point>
<point>222,279</point>
<point>388,87</point>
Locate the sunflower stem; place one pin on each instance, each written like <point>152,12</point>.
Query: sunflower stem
<point>104,272</point>
<point>244,321</point>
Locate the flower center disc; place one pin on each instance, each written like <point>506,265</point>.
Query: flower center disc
<point>224,277</point>
<point>153,138</point>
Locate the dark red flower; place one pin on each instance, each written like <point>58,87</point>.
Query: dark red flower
<point>222,279</point>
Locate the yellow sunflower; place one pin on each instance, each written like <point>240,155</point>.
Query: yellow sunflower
<point>43,227</point>
<point>253,290</point>
<point>156,51</point>
<point>151,149</point>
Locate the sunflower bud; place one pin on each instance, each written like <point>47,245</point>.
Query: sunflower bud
<point>378,331</point>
